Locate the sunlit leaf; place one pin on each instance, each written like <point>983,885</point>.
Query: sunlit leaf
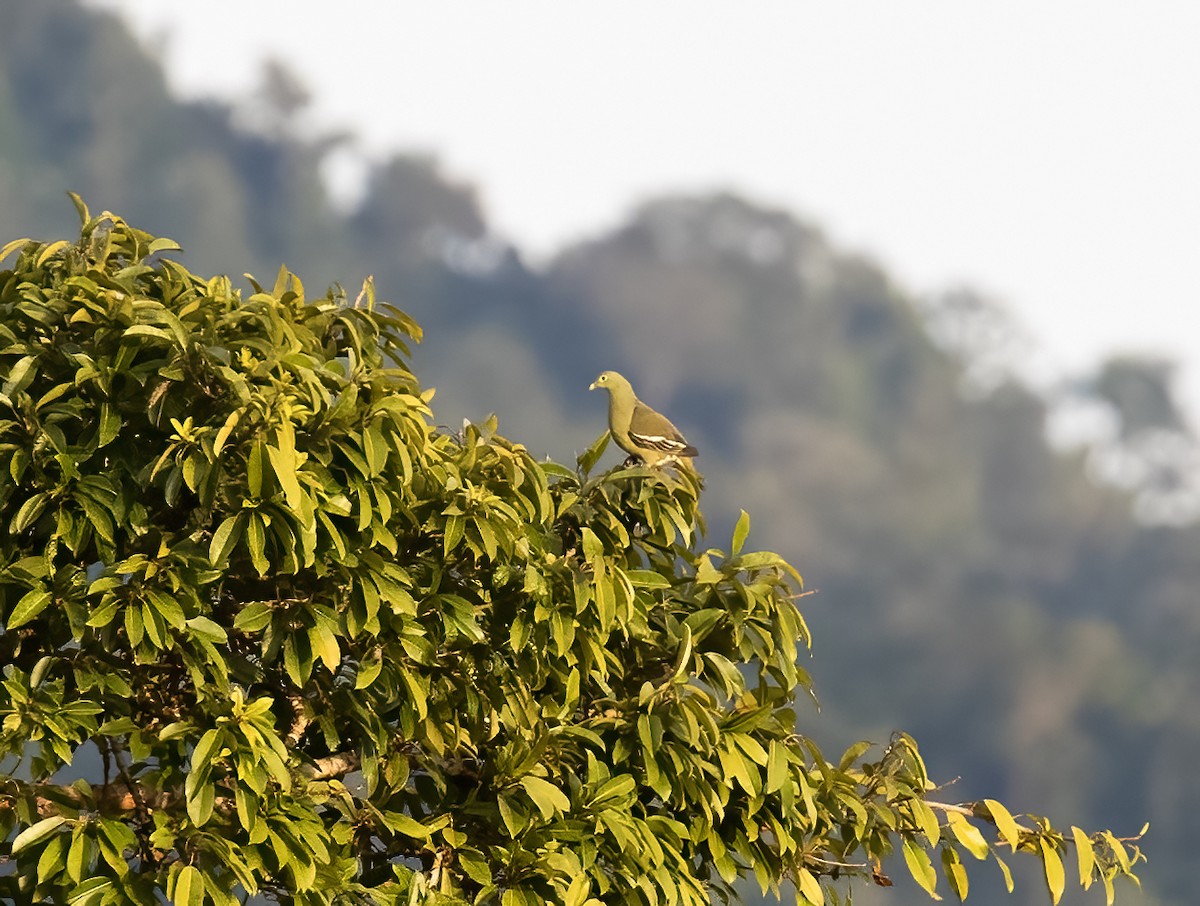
<point>36,833</point>
<point>1055,876</point>
<point>1004,822</point>
<point>31,604</point>
<point>548,798</point>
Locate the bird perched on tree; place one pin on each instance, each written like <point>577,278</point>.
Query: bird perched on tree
<point>638,429</point>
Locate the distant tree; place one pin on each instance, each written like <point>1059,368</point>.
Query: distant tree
<point>328,652</point>
<point>1150,448</point>
<point>1139,390</point>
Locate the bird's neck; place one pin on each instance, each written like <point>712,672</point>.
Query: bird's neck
<point>620,410</point>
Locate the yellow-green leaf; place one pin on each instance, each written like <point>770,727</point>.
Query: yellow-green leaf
<point>253,617</point>
<point>206,628</point>
<point>325,646</point>
<point>28,512</point>
<point>968,835</point>
<point>50,251</point>
<point>577,893</point>
<point>546,796</point>
<point>809,887</point>
<point>1086,855</point>
<point>189,887</point>
<point>955,873</point>
<point>777,767</point>
<point>256,543</point>
<point>225,537</point>
<point>405,824</point>
<point>36,833</point>
<point>927,821</point>
<point>1008,879</point>
<point>1004,822</point>
<point>740,531</point>
<point>11,247</point>
<point>920,867</point>
<point>1055,876</point>
<point>27,608</point>
<point>89,892</point>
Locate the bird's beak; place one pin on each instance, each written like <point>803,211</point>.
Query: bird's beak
<point>593,386</point>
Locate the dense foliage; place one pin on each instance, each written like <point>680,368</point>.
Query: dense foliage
<point>327,650</point>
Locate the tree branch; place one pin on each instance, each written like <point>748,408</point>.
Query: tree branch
<point>330,766</point>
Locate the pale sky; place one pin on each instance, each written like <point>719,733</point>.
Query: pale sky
<point>1046,153</point>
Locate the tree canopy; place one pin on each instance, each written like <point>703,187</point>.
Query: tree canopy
<point>328,651</point>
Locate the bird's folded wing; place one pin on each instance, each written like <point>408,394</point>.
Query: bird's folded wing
<point>653,431</point>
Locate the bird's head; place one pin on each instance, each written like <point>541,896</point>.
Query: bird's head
<point>611,381</point>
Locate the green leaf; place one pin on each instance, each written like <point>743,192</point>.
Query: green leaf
<point>225,537</point>
<point>809,887</point>
<point>189,887</point>
<point>453,535</point>
<point>740,531</point>
<point>39,671</point>
<point>325,646</point>
<point>254,617</point>
<point>588,459</point>
<point>368,670</point>
<point>401,823</point>
<point>49,251</point>
<point>163,244</point>
<point>147,330</point>
<point>200,802</point>
<point>683,660</point>
<point>77,855</point>
<point>36,833</point>
<point>11,247</point>
<point>285,464</point>
<point>254,470</point>
<point>618,788</point>
<point>577,893</point>
<point>920,867</point>
<point>20,376</point>
<point>955,873</point>
<point>225,430</point>
<point>644,578</point>
<point>546,796</point>
<point>777,767</point>
<point>593,549</point>
<point>90,892</point>
<point>81,207</point>
<point>28,607</point>
<point>206,628</point>
<point>51,861</point>
<point>110,424</point>
<point>134,627</point>
<point>927,821</point>
<point>28,513</point>
<point>167,607</point>
<point>256,542</point>
<point>297,658</point>
<point>706,573</point>
<point>204,751</point>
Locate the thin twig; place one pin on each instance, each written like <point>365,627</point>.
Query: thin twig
<point>833,864</point>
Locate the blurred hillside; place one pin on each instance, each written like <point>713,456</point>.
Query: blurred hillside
<point>977,586</point>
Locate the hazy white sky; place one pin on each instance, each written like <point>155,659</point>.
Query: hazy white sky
<point>1047,153</point>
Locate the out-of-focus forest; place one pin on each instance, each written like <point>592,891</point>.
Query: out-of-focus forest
<point>1027,609</point>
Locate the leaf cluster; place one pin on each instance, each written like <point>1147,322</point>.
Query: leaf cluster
<point>330,652</point>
